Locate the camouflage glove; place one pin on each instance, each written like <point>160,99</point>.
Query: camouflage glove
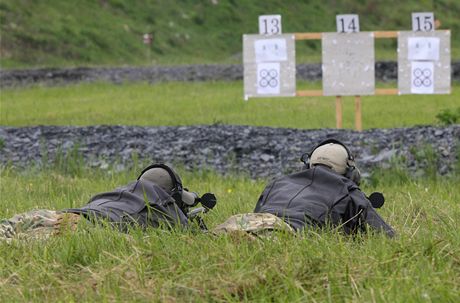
<point>256,224</point>
<point>66,222</point>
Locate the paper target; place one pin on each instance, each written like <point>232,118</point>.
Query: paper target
<point>270,50</point>
<point>423,48</point>
<point>268,78</point>
<point>422,78</point>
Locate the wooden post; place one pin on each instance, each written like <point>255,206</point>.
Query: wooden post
<point>338,112</point>
<point>358,121</point>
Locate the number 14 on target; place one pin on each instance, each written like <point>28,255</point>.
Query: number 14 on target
<point>347,23</point>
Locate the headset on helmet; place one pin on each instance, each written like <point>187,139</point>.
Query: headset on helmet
<point>351,172</point>
<point>177,189</point>
<point>183,198</point>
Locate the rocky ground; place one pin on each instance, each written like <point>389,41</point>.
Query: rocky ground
<point>256,151</point>
<point>384,71</point>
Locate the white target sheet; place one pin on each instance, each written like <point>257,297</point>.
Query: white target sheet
<point>423,48</point>
<point>269,50</point>
<point>268,78</point>
<point>422,77</point>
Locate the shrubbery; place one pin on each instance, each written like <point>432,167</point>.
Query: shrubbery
<point>448,116</point>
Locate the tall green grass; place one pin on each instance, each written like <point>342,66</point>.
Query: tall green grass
<point>99,264</point>
<point>207,103</point>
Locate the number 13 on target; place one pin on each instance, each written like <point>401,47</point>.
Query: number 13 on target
<point>270,25</point>
<point>347,23</point>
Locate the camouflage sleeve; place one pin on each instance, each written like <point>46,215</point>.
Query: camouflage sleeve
<point>38,223</point>
<point>6,230</point>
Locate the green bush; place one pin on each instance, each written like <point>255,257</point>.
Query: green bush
<point>448,116</point>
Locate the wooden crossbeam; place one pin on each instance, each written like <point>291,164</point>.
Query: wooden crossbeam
<point>386,91</point>
<point>385,34</point>
<point>309,93</point>
<point>319,92</point>
<point>308,36</point>
<point>318,36</point>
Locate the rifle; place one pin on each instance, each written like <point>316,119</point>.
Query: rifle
<point>208,201</point>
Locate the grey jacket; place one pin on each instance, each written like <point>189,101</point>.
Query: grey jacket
<point>317,197</point>
<point>141,203</point>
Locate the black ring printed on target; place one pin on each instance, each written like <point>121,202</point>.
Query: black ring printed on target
<point>426,82</point>
<point>268,78</point>
<point>422,77</point>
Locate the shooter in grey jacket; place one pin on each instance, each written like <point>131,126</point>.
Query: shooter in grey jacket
<point>157,198</point>
<point>325,194</point>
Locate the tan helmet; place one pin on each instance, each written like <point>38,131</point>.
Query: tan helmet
<point>163,176</point>
<point>335,155</point>
<point>332,155</point>
<point>160,177</point>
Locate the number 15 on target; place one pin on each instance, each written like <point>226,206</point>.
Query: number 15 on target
<point>423,22</point>
<point>270,25</point>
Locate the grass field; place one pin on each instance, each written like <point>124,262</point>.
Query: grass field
<point>95,264</point>
<point>207,103</point>
<point>422,264</point>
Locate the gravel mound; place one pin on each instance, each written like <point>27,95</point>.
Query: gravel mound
<point>256,151</point>
<point>384,71</point>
